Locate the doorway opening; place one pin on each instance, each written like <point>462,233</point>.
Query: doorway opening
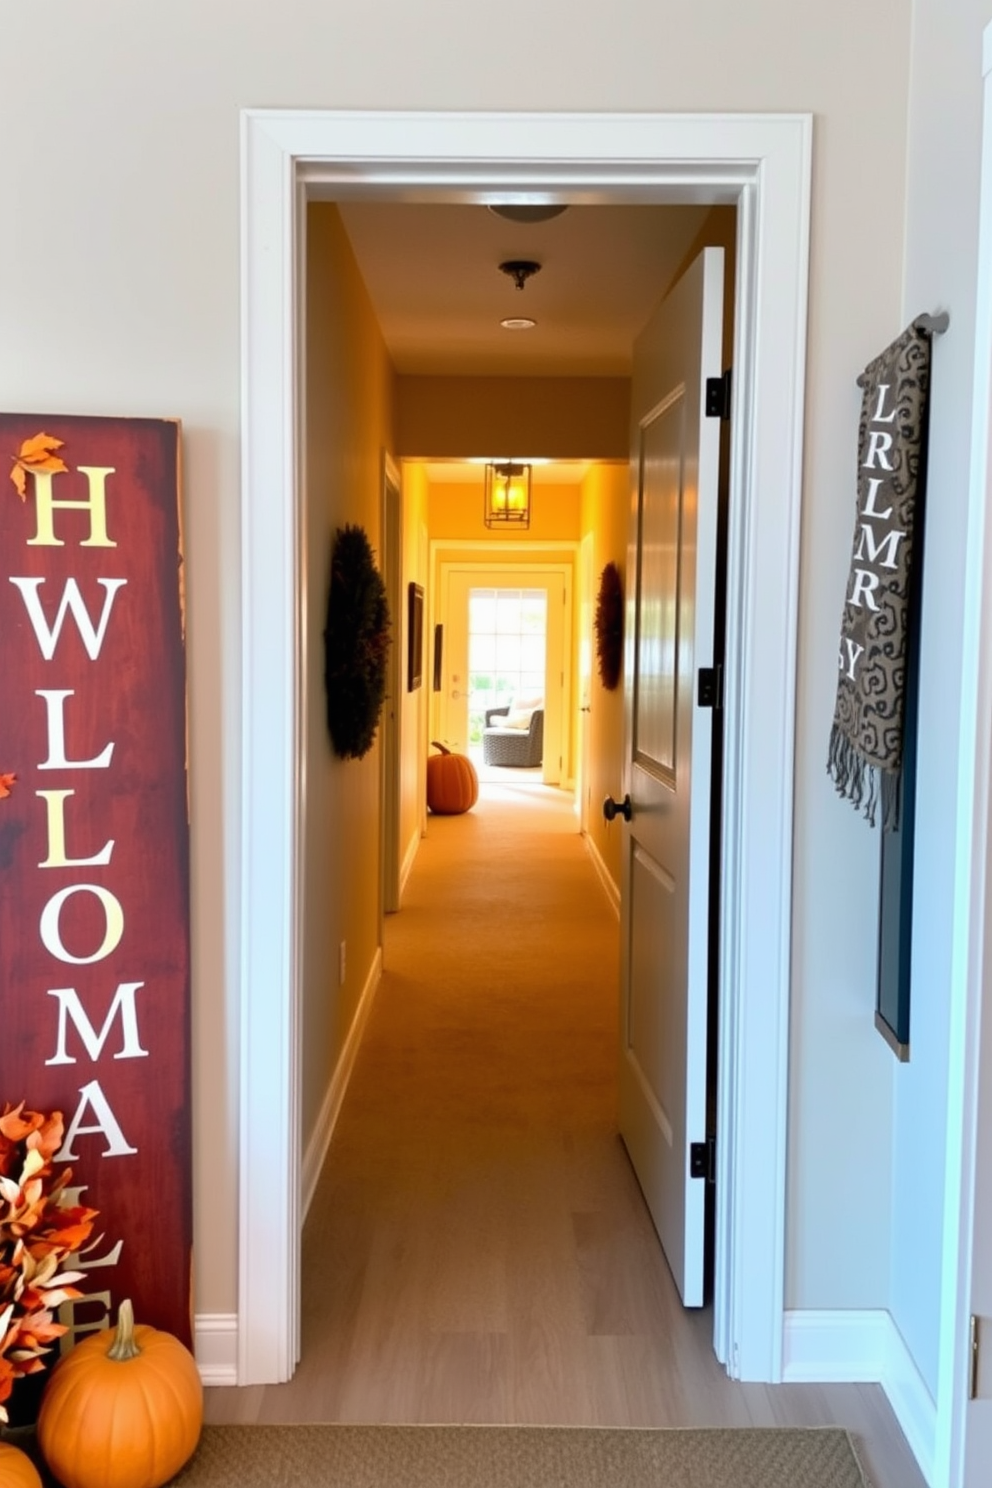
<point>762,165</point>
<point>507,657</point>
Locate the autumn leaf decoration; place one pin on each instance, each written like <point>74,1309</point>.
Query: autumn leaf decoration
<point>37,454</point>
<point>6,784</point>
<point>40,1229</point>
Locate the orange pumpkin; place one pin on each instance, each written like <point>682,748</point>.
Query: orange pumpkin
<point>122,1410</point>
<point>16,1468</point>
<point>452,784</point>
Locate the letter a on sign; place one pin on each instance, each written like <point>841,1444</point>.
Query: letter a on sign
<point>94,836</point>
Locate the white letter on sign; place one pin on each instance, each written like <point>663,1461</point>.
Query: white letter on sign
<point>70,1006</point>
<point>106,1124</point>
<point>55,708</point>
<point>90,634</point>
<point>51,935</point>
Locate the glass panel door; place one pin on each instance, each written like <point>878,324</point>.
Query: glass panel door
<point>507,649</point>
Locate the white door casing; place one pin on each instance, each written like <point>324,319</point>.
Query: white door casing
<point>457,580</point>
<point>667,761</point>
<point>763,164</point>
<point>963,1447</point>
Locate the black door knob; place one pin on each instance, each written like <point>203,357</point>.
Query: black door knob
<point>611,809</point>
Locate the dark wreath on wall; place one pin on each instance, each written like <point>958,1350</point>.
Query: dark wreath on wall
<point>609,626</point>
<point>356,644</point>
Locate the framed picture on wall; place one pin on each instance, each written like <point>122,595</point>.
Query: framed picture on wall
<point>415,637</point>
<point>438,655</point>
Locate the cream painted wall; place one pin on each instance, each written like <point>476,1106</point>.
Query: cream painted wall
<point>349,423</point>
<point>605,507</point>
<point>119,293</point>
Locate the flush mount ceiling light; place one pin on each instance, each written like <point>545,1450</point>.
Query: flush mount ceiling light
<point>507,495</point>
<point>542,212</point>
<point>520,270</point>
<point>518,323</point>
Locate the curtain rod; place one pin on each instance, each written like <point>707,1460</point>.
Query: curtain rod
<point>932,325</point>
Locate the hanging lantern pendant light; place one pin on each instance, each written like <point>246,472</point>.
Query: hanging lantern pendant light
<point>507,495</point>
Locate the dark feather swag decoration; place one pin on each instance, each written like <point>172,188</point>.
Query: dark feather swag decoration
<point>609,626</point>
<point>356,644</point>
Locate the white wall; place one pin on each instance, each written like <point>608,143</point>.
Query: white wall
<point>119,275</point>
<point>940,272</point>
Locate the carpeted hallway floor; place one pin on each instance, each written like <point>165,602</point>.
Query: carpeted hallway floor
<point>478,1250</point>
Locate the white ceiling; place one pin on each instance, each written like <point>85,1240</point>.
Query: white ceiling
<point>432,273</point>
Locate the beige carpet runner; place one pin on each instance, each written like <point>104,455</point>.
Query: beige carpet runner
<point>519,1457</point>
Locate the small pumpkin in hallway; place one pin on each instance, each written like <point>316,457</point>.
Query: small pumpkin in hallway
<point>452,784</point>
<point>16,1468</point>
<point>122,1410</point>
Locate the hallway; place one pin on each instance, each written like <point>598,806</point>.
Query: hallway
<point>478,1249</point>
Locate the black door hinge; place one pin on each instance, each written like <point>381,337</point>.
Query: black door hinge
<point>709,687</point>
<point>718,396</point>
<point>702,1160</point>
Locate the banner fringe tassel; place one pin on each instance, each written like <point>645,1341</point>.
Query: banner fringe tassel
<point>865,785</point>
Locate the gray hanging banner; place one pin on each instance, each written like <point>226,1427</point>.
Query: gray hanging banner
<point>866,740</point>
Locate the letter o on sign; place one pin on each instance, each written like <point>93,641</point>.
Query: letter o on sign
<point>51,934</point>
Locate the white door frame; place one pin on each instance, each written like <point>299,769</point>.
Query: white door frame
<point>763,164</point>
<point>972,965</point>
<point>557,718</point>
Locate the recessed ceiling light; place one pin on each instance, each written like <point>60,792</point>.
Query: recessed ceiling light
<point>540,213</point>
<point>518,323</point>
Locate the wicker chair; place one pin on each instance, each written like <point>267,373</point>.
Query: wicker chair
<point>510,746</point>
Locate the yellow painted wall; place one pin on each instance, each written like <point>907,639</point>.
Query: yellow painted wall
<point>562,418</point>
<point>455,511</point>
<point>349,423</point>
<point>458,535</point>
<point>605,504</point>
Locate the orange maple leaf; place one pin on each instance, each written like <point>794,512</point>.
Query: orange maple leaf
<point>37,453</point>
<point>6,781</point>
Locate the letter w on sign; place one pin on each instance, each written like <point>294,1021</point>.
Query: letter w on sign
<point>866,739</point>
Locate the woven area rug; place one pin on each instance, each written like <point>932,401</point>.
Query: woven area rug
<point>519,1457</point>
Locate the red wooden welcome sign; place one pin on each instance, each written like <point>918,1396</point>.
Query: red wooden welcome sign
<point>94,838</point>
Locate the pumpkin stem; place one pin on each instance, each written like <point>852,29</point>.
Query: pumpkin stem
<point>436,744</point>
<point>124,1346</point>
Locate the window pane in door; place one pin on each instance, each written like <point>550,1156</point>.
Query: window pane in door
<point>507,649</point>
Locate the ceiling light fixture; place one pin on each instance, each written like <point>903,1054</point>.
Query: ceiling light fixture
<point>518,323</point>
<point>507,495</point>
<point>541,212</point>
<point>520,270</point>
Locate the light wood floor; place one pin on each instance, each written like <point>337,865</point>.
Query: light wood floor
<point>478,1249</point>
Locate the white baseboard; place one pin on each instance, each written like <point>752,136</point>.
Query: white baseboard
<point>606,878</point>
<point>863,1347</point>
<point>913,1405</point>
<point>409,858</point>
<point>215,1347</point>
<point>835,1347</point>
<point>215,1335</point>
<point>320,1139</point>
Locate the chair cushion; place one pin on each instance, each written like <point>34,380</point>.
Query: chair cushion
<point>522,710</point>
